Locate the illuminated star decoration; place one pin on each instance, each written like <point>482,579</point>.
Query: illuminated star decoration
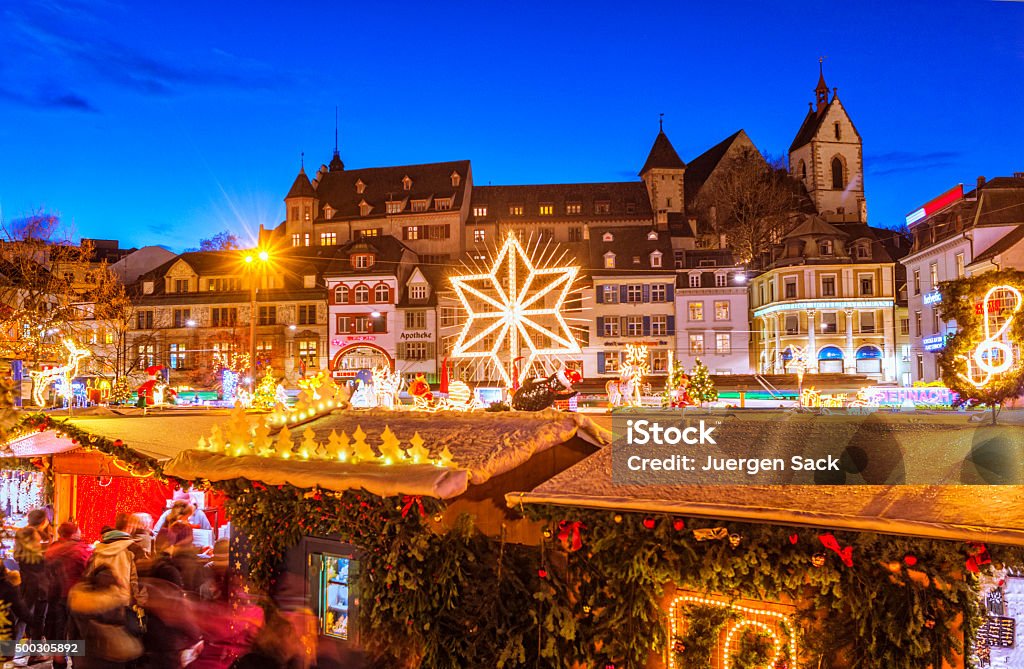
<point>510,309</point>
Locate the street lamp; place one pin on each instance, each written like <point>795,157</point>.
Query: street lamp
<point>253,259</point>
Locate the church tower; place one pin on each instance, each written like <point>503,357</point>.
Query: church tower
<point>663,173</point>
<point>826,156</point>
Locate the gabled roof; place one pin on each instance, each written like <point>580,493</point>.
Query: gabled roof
<point>809,128</point>
<point>626,199</point>
<point>701,167</point>
<point>388,255</point>
<point>627,243</point>
<point>1003,245</point>
<point>816,225</point>
<point>301,187</point>
<point>662,156</point>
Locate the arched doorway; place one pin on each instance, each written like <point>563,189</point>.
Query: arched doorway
<point>348,361</point>
<point>830,360</point>
<point>869,360</point>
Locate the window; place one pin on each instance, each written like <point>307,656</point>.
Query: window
<point>678,257</point>
<point>803,170</point>
<point>828,286</point>
<point>721,310</point>
<point>515,210</point>
<point>694,280</point>
<point>634,294</point>
<point>790,289</point>
<point>936,323</point>
<point>362,261</point>
<point>307,314</point>
<point>363,324</point>
<point>381,293</point>
<point>575,234</point>
<point>480,212</point>
<point>307,352</point>
<point>264,349</point>
<point>182,317</point>
<point>224,285</point>
<point>631,206</point>
<point>341,294</point>
<point>611,362</point>
<point>697,344</point>
<point>449,317</point>
<point>418,291</point>
<point>609,294</point>
<point>791,324</point>
<point>611,327</point>
<point>305,239</point>
<point>406,183</point>
<point>147,355</point>
<point>659,361</point>
<point>328,239</point>
<point>435,259</point>
<point>863,250</point>
<point>867,285</point>
<point>415,320</point>
<point>609,260</point>
<point>696,311</point>
<point>826,247</point>
<point>659,293</point>
<point>829,322</point>
<point>414,350</point>
<point>344,324</point>
<point>867,322</point>
<point>442,203</point>
<point>959,265</point>
<point>362,294</point>
<point>479,236</point>
<point>176,356</point>
<point>296,239</point>
<point>838,131</point>
<point>707,263</point>
<point>547,209</point>
<point>411,232</point>
<point>904,326</point>
<point>933,275</point>
<point>223,316</point>
<point>144,320</point>
<point>721,280</point>
<point>222,351</point>
<point>838,180</point>
<point>634,326</point>
<point>659,326</point>
<point>393,207</point>
<point>268,315</point>
<point>360,186</point>
<point>636,260</point>
<point>917,282</point>
<point>602,207</point>
<point>181,285</point>
<point>363,234</point>
<point>656,259</point>
<point>295,213</point>
<point>917,324</point>
<point>723,343</point>
<point>573,208</point>
<point>328,212</point>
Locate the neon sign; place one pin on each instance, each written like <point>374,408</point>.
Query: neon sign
<point>992,355</point>
<point>833,304</point>
<point>936,343</point>
<point>933,297</point>
<point>952,195</point>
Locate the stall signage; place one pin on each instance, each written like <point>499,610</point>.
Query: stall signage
<point>933,297</point>
<point>936,343</point>
<point>997,631</point>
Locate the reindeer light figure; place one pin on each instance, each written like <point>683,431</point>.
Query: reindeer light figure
<point>625,391</point>
<point>387,385</point>
<point>41,380</point>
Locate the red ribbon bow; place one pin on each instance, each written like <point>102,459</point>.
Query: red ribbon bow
<point>409,501</point>
<point>830,542</point>
<point>569,535</point>
<point>979,556</point>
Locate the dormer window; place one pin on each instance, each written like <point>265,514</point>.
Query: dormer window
<point>602,207</point>
<point>442,203</point>
<point>656,259</point>
<point>636,260</point>
<point>418,291</point>
<point>456,179</point>
<point>607,237</point>
<point>547,209</point>
<point>652,235</point>
<point>328,212</point>
<point>365,208</point>
<point>419,205</point>
<point>394,207</point>
<point>631,206</point>
<point>360,186</point>
<point>573,208</point>
<point>480,211</point>
<point>825,247</point>
<point>406,183</point>
<point>609,260</point>
<point>515,210</point>
<point>362,260</point>
<point>863,250</point>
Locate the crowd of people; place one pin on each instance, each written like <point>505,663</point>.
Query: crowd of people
<point>143,596</point>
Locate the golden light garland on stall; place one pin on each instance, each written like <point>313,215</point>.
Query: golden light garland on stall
<point>745,621</point>
<point>513,310</point>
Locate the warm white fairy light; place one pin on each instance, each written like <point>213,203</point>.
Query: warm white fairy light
<point>783,621</point>
<point>513,310</point>
<point>984,353</point>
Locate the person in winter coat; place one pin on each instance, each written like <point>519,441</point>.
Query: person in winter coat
<point>29,544</point>
<point>170,622</point>
<point>140,527</point>
<point>10,597</point>
<point>65,562</point>
<point>115,552</point>
<point>185,556</point>
<point>97,609</point>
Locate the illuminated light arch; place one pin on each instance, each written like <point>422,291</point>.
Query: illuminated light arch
<point>513,310</point>
<point>356,345</point>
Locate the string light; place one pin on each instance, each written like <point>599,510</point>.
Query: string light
<point>782,619</point>
<point>514,311</point>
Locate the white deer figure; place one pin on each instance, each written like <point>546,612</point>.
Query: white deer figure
<point>41,380</point>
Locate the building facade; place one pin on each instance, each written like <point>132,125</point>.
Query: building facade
<point>712,312</point>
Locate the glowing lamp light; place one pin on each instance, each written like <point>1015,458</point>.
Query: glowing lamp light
<point>249,258</point>
<point>513,314</point>
<point>375,314</point>
<point>264,256</point>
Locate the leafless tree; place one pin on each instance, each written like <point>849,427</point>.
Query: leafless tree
<point>751,200</point>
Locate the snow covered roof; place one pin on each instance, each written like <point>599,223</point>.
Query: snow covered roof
<point>993,513</point>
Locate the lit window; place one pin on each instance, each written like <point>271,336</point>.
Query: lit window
<point>307,350</point>
<point>547,209</point>
<point>723,343</point>
<point>609,260</point>
<point>328,238</point>
<point>360,186</point>
<point>177,356</point>
<point>696,311</point>
<point>480,212</point>
<point>515,210</point>
<point>574,208</point>
<point>721,310</point>
<point>933,274</point>
<point>479,235</point>
<point>296,239</point>
<point>456,179</point>
<point>611,327</point>
<point>411,232</point>
<point>393,207</point>
<point>418,291</point>
<point>610,294</point>
<point>697,344</point>
<point>381,294</point>
<point>406,183</point>
<point>362,294</point>
<point>611,361</point>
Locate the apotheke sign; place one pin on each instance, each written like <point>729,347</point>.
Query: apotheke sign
<point>407,336</point>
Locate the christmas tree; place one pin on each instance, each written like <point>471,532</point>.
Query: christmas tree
<point>265,394</point>
<point>121,392</point>
<point>675,386</point>
<point>702,388</point>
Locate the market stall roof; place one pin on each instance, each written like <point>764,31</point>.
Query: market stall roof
<point>992,513</point>
<point>36,444</point>
<point>482,445</point>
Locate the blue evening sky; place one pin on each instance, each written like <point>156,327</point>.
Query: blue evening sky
<point>159,123</point>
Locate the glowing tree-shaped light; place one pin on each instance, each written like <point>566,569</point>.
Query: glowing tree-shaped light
<point>515,307</point>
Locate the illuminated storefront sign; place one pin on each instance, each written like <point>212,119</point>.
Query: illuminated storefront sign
<point>816,304</point>
<point>936,343</point>
<point>952,195</point>
<point>933,297</point>
<point>935,395</point>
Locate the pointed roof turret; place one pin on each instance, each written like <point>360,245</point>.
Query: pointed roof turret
<point>336,165</point>
<point>301,187</point>
<point>663,155</point>
<point>821,90</point>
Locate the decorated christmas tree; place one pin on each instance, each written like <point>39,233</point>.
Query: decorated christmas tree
<point>265,394</point>
<point>120,392</point>
<point>702,388</point>
<point>675,386</point>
